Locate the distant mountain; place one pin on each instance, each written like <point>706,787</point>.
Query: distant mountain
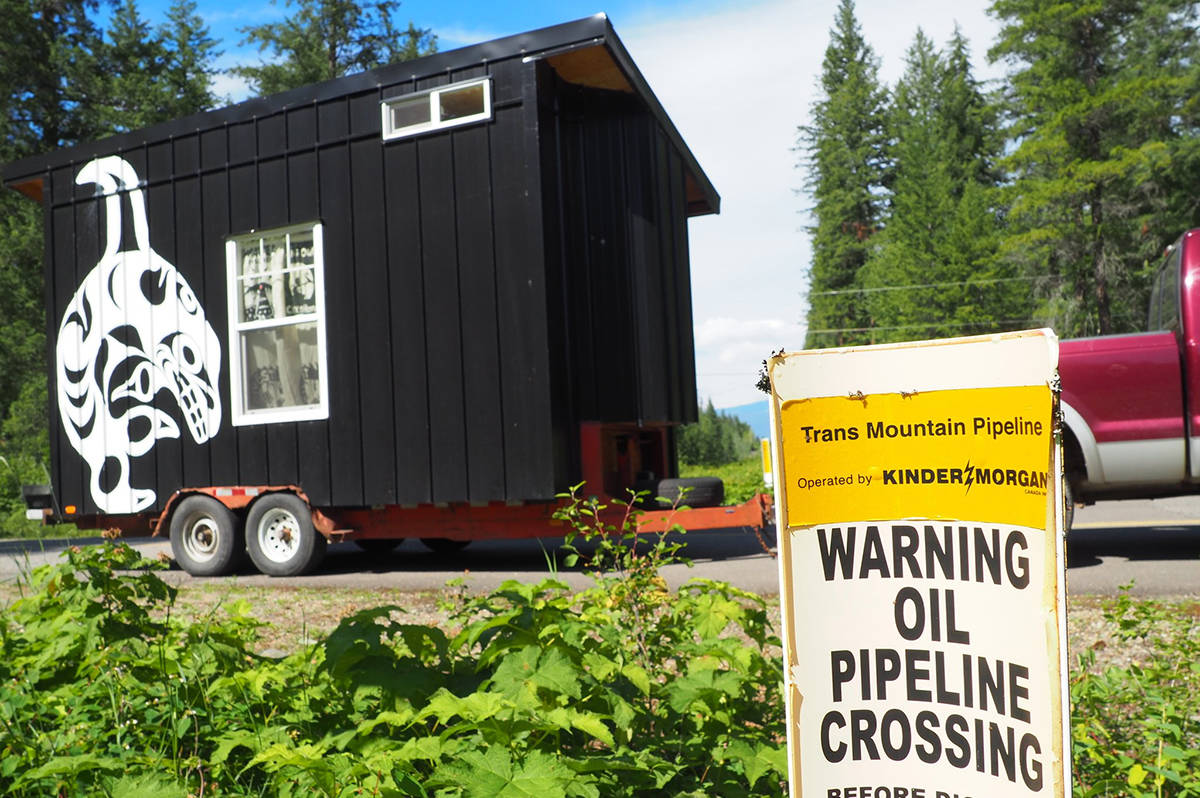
<point>756,414</point>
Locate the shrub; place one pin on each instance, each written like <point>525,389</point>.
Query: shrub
<point>1136,727</point>
<point>627,689</point>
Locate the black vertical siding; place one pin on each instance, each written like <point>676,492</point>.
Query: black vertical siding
<point>487,287</point>
<point>406,298</point>
<point>481,366</point>
<point>345,424</point>
<point>372,315</point>
<point>521,293</point>
<point>443,321</point>
<point>621,207</point>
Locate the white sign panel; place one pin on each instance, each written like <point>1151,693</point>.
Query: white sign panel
<point>922,569</point>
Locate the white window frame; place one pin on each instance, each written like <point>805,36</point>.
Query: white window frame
<point>241,416</point>
<point>435,122</point>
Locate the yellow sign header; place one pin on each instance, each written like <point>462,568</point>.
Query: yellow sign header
<point>978,453</point>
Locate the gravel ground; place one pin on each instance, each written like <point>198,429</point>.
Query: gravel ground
<point>296,616</point>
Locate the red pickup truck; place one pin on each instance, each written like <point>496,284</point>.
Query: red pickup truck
<point>1131,403</point>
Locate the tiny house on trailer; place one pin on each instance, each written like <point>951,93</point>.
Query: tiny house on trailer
<point>419,301</point>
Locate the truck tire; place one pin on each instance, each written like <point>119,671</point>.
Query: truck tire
<point>1068,494</point>
<point>696,492</point>
<point>280,536</point>
<point>206,537</point>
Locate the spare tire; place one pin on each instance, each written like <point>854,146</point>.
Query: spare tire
<point>690,491</point>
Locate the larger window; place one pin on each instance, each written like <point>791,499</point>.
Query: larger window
<point>277,369</point>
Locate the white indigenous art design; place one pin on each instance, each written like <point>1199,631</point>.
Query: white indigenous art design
<point>132,331</point>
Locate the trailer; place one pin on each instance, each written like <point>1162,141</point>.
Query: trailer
<point>420,301</point>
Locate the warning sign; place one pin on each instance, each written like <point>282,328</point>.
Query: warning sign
<point>921,569</point>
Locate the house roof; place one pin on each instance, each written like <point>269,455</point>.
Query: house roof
<point>586,52</point>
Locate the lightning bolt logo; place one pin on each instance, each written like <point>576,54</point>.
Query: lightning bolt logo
<point>969,476</point>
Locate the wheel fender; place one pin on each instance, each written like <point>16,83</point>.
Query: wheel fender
<point>1074,421</point>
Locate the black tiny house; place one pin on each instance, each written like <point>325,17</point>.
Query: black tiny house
<point>459,279</point>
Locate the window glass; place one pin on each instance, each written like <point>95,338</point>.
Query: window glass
<point>282,367</point>
<point>412,112</point>
<point>1164,296</point>
<point>277,309</point>
<point>446,106</point>
<point>458,103</point>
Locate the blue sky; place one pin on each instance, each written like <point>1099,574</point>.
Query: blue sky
<point>738,78</point>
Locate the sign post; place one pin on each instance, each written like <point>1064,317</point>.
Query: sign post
<point>921,568</point>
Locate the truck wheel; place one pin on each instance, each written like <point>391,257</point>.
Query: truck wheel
<point>280,536</point>
<point>1068,495</point>
<point>695,491</point>
<point>206,537</point>
<point>445,545</point>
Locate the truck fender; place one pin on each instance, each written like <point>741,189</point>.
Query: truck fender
<point>1079,428</point>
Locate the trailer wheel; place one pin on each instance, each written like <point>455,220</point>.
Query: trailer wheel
<point>695,491</point>
<point>280,536</point>
<point>445,545</point>
<point>206,537</point>
<point>378,546</point>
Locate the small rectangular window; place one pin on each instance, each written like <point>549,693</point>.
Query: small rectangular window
<point>446,106</point>
<point>277,360</point>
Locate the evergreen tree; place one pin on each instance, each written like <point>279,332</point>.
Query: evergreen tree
<point>933,273</point>
<point>325,39</point>
<point>188,71</point>
<point>157,74</point>
<point>51,84</point>
<point>1103,120</point>
<point>716,439</point>
<point>845,147</point>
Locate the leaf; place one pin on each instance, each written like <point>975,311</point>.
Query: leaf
<point>756,760</point>
<point>586,722</point>
<point>1137,774</point>
<point>494,774</point>
<point>637,675</point>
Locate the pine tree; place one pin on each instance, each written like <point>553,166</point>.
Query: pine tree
<point>50,78</point>
<point>933,273</point>
<point>156,74</point>
<point>325,39</point>
<point>189,68</point>
<point>1103,123</point>
<point>845,153</point>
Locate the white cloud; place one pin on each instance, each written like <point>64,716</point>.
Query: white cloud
<point>738,81</point>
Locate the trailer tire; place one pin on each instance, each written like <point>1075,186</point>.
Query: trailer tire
<point>206,537</point>
<point>445,545</point>
<point>280,536</point>
<point>378,546</point>
<point>695,491</point>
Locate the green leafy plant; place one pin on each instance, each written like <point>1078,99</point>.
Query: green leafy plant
<point>629,688</point>
<point>1135,728</point>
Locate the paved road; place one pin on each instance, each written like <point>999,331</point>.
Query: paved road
<point>732,555</point>
<point>1153,544</point>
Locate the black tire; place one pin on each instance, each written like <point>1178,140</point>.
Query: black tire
<point>378,546</point>
<point>206,537</point>
<point>692,492</point>
<point>1068,494</point>
<point>280,536</point>
<point>445,545</point>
